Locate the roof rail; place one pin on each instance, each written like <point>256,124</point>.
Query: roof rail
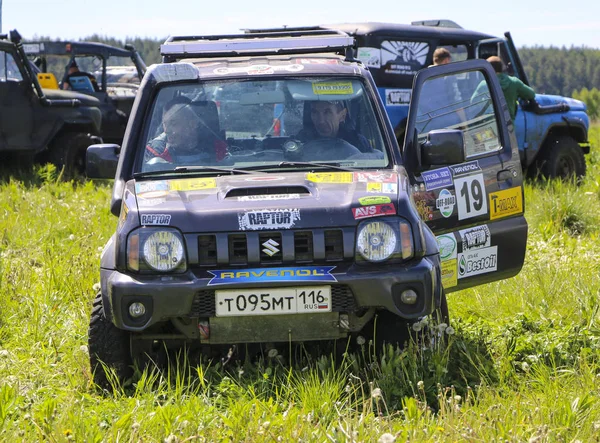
<point>438,23</point>
<point>268,42</point>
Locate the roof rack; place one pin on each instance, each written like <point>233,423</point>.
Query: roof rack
<point>269,42</point>
<point>443,23</point>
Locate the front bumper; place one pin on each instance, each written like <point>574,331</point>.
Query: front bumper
<point>189,296</point>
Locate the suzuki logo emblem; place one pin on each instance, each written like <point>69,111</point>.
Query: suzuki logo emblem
<point>270,247</point>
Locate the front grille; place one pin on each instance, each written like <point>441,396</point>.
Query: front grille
<point>342,300</point>
<point>207,250</point>
<point>303,247</point>
<point>334,245</point>
<point>238,249</point>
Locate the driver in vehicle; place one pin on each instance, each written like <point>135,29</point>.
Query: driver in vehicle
<point>328,120</point>
<point>186,140</point>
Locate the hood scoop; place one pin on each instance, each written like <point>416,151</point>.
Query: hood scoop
<point>268,191</point>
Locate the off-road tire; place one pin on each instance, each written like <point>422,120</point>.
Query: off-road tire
<point>108,346</point>
<point>68,151</point>
<point>561,157</point>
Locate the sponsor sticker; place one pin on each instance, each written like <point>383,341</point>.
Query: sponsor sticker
<point>296,274</point>
<point>192,184</point>
<point>149,202</point>
<point>389,188</point>
<point>374,187</point>
<point>465,168</point>
<point>506,203</point>
<point>479,261</point>
<point>437,178</point>
<point>152,195</point>
<point>151,186</point>
<point>248,198</point>
<point>397,97</point>
<point>330,177</point>
<point>268,219</point>
<point>265,178</point>
<point>375,200</point>
<point>369,56</point>
<point>373,211</point>
<point>259,69</point>
<point>447,245</point>
<point>334,88</point>
<point>155,219</point>
<point>318,61</point>
<point>470,193</point>
<point>449,274</point>
<point>445,203</point>
<point>381,177</point>
<point>123,215</point>
<point>475,238</point>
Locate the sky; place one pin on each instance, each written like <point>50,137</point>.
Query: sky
<point>531,22</point>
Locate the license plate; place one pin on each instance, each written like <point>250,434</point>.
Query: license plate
<point>273,301</point>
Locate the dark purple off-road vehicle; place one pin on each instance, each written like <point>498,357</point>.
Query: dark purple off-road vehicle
<point>263,201</point>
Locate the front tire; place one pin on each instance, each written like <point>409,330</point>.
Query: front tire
<point>561,157</point>
<point>109,348</point>
<point>68,151</point>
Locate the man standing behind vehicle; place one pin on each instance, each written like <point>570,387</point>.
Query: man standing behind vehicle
<point>75,72</point>
<point>512,87</point>
<point>441,56</point>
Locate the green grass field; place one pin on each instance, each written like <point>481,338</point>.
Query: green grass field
<point>522,365</point>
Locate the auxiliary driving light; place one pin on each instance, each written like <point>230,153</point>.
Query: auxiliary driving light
<point>408,297</point>
<point>137,309</point>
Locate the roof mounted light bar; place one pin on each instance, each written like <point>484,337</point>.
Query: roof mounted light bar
<point>284,41</point>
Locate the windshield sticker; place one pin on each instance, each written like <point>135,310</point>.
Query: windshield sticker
<point>375,200</point>
<point>248,198</point>
<point>506,203</point>
<point>405,58</point>
<point>155,219</point>
<point>371,57</point>
<point>397,97</point>
<point>445,203</point>
<point>447,246</point>
<point>324,88</point>
<point>471,198</point>
<point>475,238</point>
<point>465,168</point>
<point>373,211</point>
<point>382,177</point>
<point>143,187</point>
<point>449,273</point>
<point>259,69</point>
<point>193,184</point>
<point>480,261</point>
<point>437,178</point>
<point>318,61</point>
<point>302,273</point>
<point>268,219</point>
<point>330,177</point>
<point>264,179</point>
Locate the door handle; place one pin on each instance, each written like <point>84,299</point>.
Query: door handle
<point>506,174</point>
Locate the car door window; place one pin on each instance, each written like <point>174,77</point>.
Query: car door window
<point>9,70</point>
<point>460,101</point>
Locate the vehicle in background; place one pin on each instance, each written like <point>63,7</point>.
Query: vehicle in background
<point>243,238</point>
<point>551,131</point>
<point>42,124</point>
<point>117,71</point>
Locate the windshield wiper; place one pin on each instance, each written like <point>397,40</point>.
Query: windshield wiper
<point>291,164</point>
<point>186,169</point>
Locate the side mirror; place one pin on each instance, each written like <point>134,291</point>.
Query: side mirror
<point>101,160</point>
<point>443,147</point>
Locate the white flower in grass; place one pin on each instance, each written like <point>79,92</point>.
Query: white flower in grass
<point>84,349</point>
<point>4,353</point>
<point>72,237</point>
<point>442,327</point>
<point>450,330</point>
<point>420,384</point>
<point>417,326</point>
<point>376,393</point>
<point>360,340</point>
<point>273,353</point>
<point>386,438</point>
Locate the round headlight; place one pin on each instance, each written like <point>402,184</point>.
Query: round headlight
<point>163,251</point>
<point>376,241</point>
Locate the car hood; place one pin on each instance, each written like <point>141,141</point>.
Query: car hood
<point>251,202</point>
<point>58,94</point>
<point>548,100</point>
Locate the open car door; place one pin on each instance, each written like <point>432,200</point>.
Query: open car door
<point>465,173</point>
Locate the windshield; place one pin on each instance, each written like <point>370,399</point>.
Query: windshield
<point>259,124</point>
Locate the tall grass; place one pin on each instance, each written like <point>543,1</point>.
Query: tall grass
<point>521,365</point>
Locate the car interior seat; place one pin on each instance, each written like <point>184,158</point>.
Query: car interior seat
<point>81,84</point>
<point>47,80</point>
<point>209,119</point>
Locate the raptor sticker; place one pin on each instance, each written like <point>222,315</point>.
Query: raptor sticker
<point>192,184</point>
<point>397,97</point>
<point>506,203</point>
<point>268,219</point>
<point>155,219</point>
<point>479,261</point>
<point>330,177</point>
<point>475,238</point>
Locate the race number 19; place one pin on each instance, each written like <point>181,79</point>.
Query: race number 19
<point>471,196</point>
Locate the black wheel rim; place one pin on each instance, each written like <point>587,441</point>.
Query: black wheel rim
<point>565,167</point>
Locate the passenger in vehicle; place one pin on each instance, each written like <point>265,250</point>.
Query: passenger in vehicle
<point>512,87</point>
<point>441,56</point>
<point>187,139</point>
<point>75,72</point>
<point>328,119</point>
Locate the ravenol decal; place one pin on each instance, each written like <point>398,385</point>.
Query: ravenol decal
<point>479,261</point>
<point>297,274</point>
<point>437,178</point>
<point>341,88</point>
<point>155,219</point>
<point>506,203</point>
<point>192,184</point>
<point>330,177</point>
<point>445,203</point>
<point>465,168</point>
<point>447,246</point>
<point>268,219</point>
<point>375,200</point>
